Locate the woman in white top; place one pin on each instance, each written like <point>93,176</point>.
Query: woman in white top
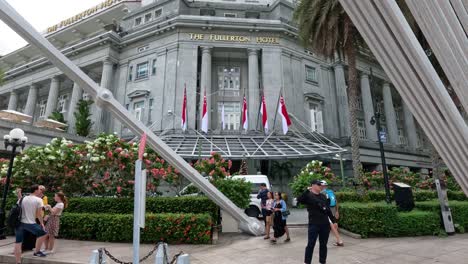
<point>269,214</point>
<point>53,220</point>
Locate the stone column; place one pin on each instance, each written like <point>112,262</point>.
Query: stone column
<point>53,96</point>
<point>120,95</point>
<point>106,82</point>
<point>367,107</point>
<point>410,127</point>
<point>205,82</point>
<point>32,100</point>
<point>13,102</point>
<point>342,100</point>
<point>254,92</point>
<point>77,95</point>
<point>390,115</point>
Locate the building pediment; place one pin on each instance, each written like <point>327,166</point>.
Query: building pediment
<point>314,97</point>
<point>138,93</point>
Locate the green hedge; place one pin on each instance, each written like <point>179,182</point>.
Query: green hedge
<point>378,196</point>
<point>459,210</point>
<point>171,228</point>
<point>380,219</point>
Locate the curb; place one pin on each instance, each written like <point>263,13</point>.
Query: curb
<point>33,260</point>
<point>349,233</point>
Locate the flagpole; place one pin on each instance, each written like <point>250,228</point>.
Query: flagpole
<point>260,107</point>
<point>276,112</point>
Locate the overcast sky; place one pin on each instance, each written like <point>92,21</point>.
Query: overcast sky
<point>41,14</point>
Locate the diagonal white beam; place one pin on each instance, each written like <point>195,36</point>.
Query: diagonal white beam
<point>443,31</point>
<point>389,36</point>
<point>462,11</point>
<point>104,99</point>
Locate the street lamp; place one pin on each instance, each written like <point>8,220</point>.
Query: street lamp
<point>14,140</point>
<point>339,156</point>
<point>375,120</point>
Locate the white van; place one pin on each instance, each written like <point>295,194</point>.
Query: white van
<point>254,209</point>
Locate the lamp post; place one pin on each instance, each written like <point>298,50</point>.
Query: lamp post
<point>375,120</point>
<point>14,140</point>
<point>339,157</point>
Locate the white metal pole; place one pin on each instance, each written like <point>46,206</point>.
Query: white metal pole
<point>137,213</point>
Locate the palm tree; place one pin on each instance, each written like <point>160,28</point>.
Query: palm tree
<point>326,29</point>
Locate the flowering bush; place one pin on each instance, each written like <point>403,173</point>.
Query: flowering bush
<point>312,171</point>
<point>216,167</point>
<point>375,179</point>
<point>104,166</point>
<point>217,170</point>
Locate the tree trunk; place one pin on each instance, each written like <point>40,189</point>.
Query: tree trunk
<point>350,52</point>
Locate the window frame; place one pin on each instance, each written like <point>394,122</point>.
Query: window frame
<point>42,108</point>
<point>153,67</point>
<point>137,24</point>
<point>137,74</point>
<point>150,14</point>
<point>130,73</point>
<point>141,110</point>
<point>62,103</point>
<point>316,123</point>
<point>234,113</point>
<point>156,15</point>
<point>307,77</point>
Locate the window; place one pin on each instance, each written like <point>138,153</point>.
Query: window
<point>138,108</point>
<point>158,13</point>
<point>316,119</point>
<point>399,113</point>
<point>230,15</point>
<point>137,21</point>
<point>150,110</point>
<point>362,129</point>
<point>207,12</point>
<point>62,103</point>
<point>255,15</point>
<point>142,71</point>
<point>148,17</point>
<point>401,137</point>
<point>153,68</point>
<point>359,103</point>
<point>42,108</point>
<point>130,73</point>
<point>379,107</point>
<point>232,114</point>
<point>229,80</point>
<point>311,74</point>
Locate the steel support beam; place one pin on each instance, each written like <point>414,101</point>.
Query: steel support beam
<point>389,36</point>
<point>104,98</point>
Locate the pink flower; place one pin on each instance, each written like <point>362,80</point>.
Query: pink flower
<point>106,175</point>
<point>119,189</point>
<point>110,154</point>
<point>212,161</point>
<point>118,150</point>
<point>213,153</point>
<point>212,172</point>
<point>147,162</point>
<point>95,185</point>
<point>131,182</point>
<point>229,164</point>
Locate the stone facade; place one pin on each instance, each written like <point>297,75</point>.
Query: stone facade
<point>226,50</point>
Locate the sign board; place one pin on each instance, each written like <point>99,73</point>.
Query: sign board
<point>383,136</point>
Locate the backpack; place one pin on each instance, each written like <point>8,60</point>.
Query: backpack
<point>14,217</point>
<point>330,197</point>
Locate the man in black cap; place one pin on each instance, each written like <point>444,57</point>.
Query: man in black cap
<point>319,223</point>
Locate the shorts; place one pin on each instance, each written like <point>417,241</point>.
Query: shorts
<point>34,229</point>
<point>333,210</point>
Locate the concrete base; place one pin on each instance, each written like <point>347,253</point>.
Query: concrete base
<point>228,223</point>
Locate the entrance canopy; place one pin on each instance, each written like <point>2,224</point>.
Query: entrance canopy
<point>194,146</point>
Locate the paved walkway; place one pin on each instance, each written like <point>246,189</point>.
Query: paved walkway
<point>239,248</point>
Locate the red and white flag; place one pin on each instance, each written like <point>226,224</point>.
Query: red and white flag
<point>204,121</point>
<point>245,119</point>
<point>286,122</point>
<point>141,147</point>
<point>263,112</point>
<point>184,111</point>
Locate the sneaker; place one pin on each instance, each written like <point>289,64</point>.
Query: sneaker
<point>287,240</point>
<point>48,252</point>
<point>39,254</point>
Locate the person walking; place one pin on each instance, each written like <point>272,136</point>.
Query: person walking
<point>269,214</point>
<point>53,222</point>
<point>319,217</point>
<point>279,222</point>
<point>31,208</point>
<point>333,204</point>
<point>262,195</point>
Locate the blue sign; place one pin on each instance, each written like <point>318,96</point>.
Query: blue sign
<point>383,136</point>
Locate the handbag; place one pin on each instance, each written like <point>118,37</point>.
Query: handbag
<point>286,213</point>
<point>14,217</point>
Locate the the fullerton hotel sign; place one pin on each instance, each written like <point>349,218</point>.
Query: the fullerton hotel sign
<point>234,38</point>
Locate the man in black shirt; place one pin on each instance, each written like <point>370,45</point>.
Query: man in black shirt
<point>320,217</point>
